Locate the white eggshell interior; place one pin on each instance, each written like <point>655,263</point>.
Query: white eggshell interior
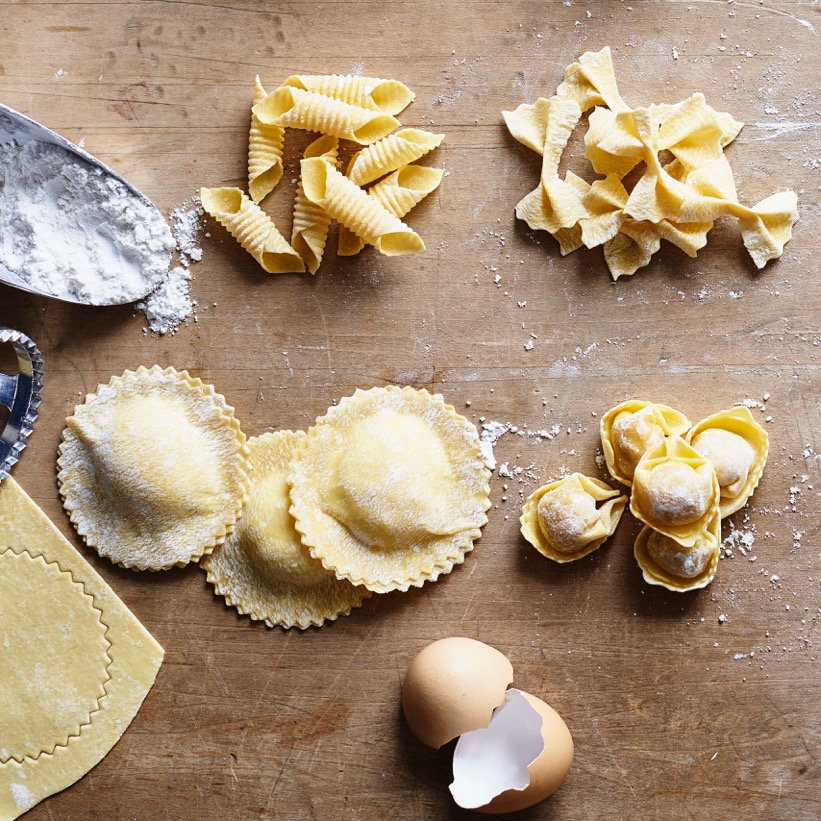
<point>489,761</point>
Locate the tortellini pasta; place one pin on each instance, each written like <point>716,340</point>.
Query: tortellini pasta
<point>677,201</point>
<point>667,563</point>
<point>353,108</point>
<point>737,447</point>
<point>675,490</point>
<point>630,429</point>
<point>570,518</point>
<point>684,481</point>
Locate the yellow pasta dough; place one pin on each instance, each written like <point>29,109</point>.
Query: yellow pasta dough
<point>75,664</point>
<point>397,193</point>
<point>666,563</point>
<point>632,428</point>
<point>676,201</point>
<point>265,144</point>
<point>365,216</point>
<point>737,447</point>
<point>388,96</point>
<point>389,489</point>
<point>570,518</point>
<point>675,491</point>
<point>253,229</point>
<point>263,569</point>
<point>555,204</point>
<point>591,81</point>
<point>390,153</point>
<point>311,222</point>
<point>295,108</point>
<point>153,469</point>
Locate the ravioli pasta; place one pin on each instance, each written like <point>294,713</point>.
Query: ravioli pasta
<point>389,490</point>
<point>263,569</point>
<point>153,469</point>
<point>677,202</point>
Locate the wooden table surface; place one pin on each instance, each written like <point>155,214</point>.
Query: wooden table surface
<point>676,713</point>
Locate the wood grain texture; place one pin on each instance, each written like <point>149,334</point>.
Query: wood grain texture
<point>246,722</point>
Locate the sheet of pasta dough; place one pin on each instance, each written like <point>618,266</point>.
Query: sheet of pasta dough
<point>75,663</point>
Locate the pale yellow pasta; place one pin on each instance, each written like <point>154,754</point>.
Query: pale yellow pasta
<point>350,205</point>
<point>677,201</point>
<point>767,227</point>
<point>252,228</point>
<point>388,96</point>
<point>265,144</point>
<point>390,153</point>
<point>591,81</point>
<point>604,201</point>
<point>528,124</point>
<point>398,193</point>
<point>311,222</point>
<point>555,203</point>
<point>694,132</point>
<point>631,248</point>
<point>294,108</point>
<point>601,123</point>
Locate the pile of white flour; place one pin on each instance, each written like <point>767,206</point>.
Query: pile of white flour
<point>74,232</point>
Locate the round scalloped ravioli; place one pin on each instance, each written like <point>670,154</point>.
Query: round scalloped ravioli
<point>263,569</point>
<point>389,489</point>
<point>152,469</point>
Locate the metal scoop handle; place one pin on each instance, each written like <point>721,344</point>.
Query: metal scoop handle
<point>20,393</point>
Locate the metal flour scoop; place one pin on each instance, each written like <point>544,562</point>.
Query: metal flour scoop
<point>16,128</point>
<point>21,395</point>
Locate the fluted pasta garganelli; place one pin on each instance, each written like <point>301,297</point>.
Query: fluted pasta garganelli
<point>252,228</point>
<point>351,206</point>
<point>265,144</point>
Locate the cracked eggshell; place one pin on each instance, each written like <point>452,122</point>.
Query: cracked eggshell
<point>453,686</point>
<point>522,757</point>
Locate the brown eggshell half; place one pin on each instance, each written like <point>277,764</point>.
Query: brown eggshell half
<point>453,686</point>
<point>547,772</point>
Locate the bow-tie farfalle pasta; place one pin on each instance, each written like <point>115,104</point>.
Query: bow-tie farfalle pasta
<point>382,183</point>
<point>675,201</point>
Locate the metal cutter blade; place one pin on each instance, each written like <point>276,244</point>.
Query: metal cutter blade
<point>21,395</point>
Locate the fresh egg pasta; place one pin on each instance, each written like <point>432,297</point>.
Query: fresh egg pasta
<point>398,193</point>
<point>340,107</point>
<point>265,143</point>
<point>252,228</point>
<point>311,222</point>
<point>676,201</point>
<point>365,216</point>
<point>295,108</point>
<point>388,96</point>
<point>390,153</point>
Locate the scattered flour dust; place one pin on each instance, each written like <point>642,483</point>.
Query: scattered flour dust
<point>22,796</point>
<point>170,304</point>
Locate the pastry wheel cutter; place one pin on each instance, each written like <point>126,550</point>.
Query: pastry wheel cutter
<point>21,395</point>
